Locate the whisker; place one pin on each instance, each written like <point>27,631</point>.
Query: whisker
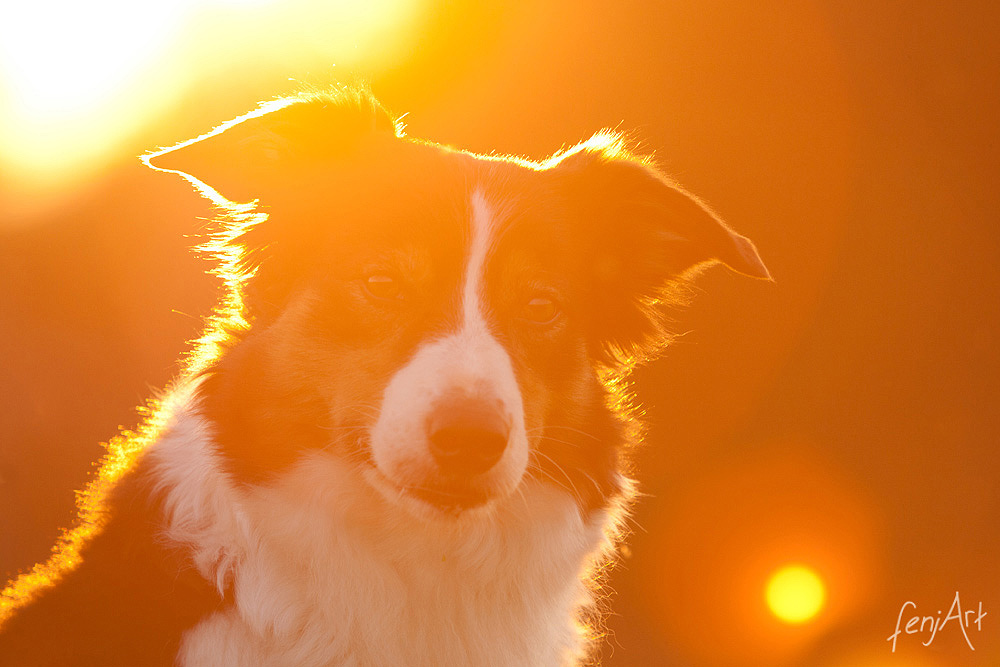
<point>520,493</point>
<point>576,491</point>
<point>551,439</point>
<point>564,428</point>
<point>572,491</point>
<point>597,487</point>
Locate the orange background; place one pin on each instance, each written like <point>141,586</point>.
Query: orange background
<point>844,417</point>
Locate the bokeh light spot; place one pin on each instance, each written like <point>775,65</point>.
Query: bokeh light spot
<point>795,594</point>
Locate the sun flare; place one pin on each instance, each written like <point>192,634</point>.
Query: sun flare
<point>79,81</point>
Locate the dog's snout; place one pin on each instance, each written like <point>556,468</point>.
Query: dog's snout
<point>467,436</point>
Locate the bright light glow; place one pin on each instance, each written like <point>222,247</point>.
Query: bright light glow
<point>61,58</point>
<point>79,80</point>
<point>63,67</point>
<point>795,594</point>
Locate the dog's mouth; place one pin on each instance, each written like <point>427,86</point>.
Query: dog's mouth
<point>444,496</point>
<point>452,497</point>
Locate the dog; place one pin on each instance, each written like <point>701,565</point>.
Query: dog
<point>403,438</point>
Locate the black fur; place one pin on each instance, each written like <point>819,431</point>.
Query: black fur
<point>126,604</point>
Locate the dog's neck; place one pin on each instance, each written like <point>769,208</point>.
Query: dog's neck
<point>322,569</point>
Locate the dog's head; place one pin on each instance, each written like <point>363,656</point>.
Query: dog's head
<point>440,318</point>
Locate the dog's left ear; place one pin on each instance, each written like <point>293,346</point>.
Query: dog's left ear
<point>644,234</point>
<point>260,155</point>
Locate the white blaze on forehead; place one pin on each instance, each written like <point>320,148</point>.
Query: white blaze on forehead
<point>482,226</point>
<point>468,362</point>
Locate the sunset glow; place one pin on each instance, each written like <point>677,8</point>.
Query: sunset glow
<point>783,473</point>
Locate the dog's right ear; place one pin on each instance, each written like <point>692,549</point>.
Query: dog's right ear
<point>644,238</point>
<point>251,157</point>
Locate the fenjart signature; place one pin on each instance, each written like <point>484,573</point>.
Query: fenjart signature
<point>916,624</point>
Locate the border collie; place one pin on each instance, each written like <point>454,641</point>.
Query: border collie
<point>402,439</point>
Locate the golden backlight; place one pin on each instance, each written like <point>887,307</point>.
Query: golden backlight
<point>795,594</point>
<point>80,80</point>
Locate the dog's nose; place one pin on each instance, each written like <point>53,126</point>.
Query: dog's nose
<point>467,436</point>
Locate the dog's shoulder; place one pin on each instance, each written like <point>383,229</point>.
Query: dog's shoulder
<point>127,603</point>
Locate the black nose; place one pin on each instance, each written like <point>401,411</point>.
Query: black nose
<point>467,435</point>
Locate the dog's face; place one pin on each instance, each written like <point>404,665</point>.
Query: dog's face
<point>441,319</point>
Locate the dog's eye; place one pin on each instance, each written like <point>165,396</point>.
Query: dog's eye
<point>382,286</point>
<point>540,309</point>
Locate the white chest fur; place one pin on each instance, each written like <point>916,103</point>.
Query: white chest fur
<point>325,571</point>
